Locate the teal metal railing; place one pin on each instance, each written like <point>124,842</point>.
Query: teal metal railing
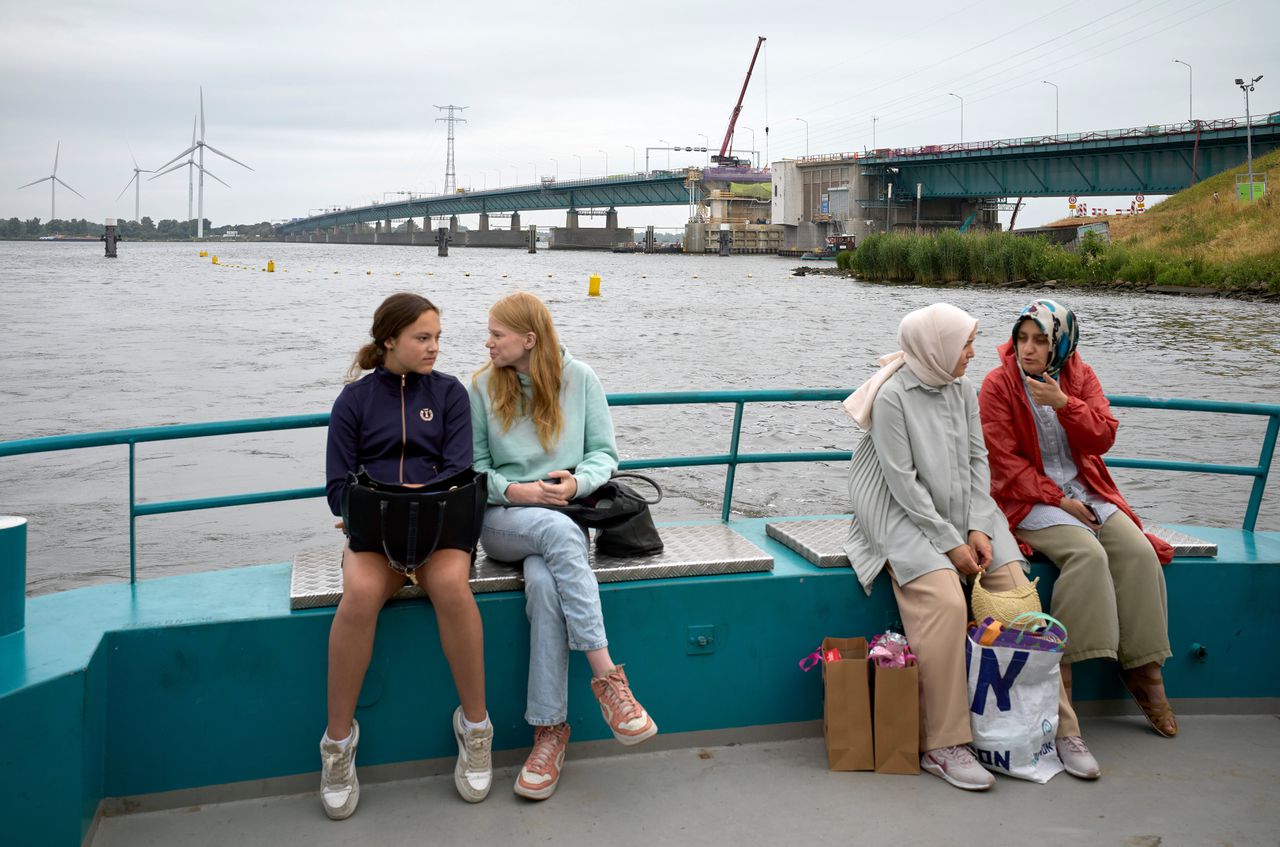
<point>731,460</point>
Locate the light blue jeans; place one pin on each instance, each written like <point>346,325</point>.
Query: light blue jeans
<point>562,599</point>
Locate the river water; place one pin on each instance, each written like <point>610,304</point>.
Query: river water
<point>162,336</point>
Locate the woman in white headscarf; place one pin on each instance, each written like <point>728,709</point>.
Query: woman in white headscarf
<point>920,487</point>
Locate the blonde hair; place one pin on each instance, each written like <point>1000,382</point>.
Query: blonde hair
<point>523,312</point>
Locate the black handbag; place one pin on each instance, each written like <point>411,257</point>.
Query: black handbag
<point>408,524</point>
<point>620,516</point>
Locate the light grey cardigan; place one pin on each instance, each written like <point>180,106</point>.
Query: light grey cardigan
<point>919,482</point>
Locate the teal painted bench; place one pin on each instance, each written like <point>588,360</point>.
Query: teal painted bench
<point>137,700</point>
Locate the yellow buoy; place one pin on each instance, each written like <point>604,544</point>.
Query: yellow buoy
<point>465,273</point>
<point>368,273</point>
<point>593,285</point>
<point>695,276</point>
<point>215,260</point>
<point>548,276</point>
<point>204,254</point>
<point>271,266</point>
<point>748,276</point>
<point>644,276</point>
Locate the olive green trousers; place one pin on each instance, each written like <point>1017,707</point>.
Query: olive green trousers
<point>1110,592</point>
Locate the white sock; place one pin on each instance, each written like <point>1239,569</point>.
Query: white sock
<point>343,744</point>
<point>468,725</point>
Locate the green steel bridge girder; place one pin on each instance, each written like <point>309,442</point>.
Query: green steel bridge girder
<point>660,188</point>
<point>1095,168</point>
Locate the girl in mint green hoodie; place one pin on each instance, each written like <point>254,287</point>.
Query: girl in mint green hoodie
<point>542,432</point>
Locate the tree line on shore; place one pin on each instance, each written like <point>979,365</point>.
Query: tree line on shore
<point>143,230</point>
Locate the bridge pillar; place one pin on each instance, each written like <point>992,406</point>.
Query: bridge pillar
<point>453,223</point>
<point>611,218</point>
<point>484,221</point>
<point>515,221</point>
<point>571,219</point>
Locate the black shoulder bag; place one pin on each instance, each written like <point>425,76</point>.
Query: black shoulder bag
<point>407,524</point>
<point>621,517</point>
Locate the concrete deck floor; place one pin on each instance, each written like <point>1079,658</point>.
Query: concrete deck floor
<point>1215,784</point>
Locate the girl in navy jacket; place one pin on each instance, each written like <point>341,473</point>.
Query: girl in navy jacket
<point>409,424</point>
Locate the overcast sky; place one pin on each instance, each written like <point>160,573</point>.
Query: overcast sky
<point>332,103</point>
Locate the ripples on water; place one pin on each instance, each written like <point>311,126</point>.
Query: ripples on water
<point>162,336</point>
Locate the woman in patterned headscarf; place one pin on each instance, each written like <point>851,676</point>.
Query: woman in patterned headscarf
<point>1047,426</point>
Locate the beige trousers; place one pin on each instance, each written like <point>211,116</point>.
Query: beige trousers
<point>935,616</point>
<point>1110,594</point>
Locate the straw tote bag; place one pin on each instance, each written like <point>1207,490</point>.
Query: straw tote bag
<point>1004,606</point>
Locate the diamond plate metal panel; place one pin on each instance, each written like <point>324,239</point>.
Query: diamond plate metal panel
<point>1183,544</point>
<point>821,542</point>
<point>316,580</point>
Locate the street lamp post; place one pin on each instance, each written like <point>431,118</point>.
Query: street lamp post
<point>1055,104</point>
<point>874,121</point>
<point>1190,90</point>
<point>516,168</point>
<point>633,156</point>
<point>556,162</point>
<point>806,135</point>
<point>535,171</point>
<point>1246,87</point>
<point>606,160</point>
<point>961,99</point>
<point>579,158</point>
<point>668,143</point>
<point>706,143</point>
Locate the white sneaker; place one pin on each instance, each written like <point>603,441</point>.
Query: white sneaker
<point>958,766</point>
<point>1076,757</point>
<point>473,774</point>
<point>339,787</point>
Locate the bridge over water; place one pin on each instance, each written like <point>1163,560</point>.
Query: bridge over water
<point>1146,160</point>
<point>1150,160</point>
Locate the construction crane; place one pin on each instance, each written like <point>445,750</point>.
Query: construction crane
<point>724,158</point>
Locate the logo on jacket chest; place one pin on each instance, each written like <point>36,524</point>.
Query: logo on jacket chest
<point>427,415</point>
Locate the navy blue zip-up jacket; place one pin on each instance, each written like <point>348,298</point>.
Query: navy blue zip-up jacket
<point>401,429</point>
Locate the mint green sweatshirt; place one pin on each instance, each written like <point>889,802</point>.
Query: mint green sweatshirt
<point>586,444</point>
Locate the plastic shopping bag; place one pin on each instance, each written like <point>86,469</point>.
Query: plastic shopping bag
<point>1013,708</point>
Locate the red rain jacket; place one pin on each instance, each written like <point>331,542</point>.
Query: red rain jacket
<point>1018,480</point>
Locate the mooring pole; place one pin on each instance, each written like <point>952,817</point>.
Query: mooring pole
<point>110,237</point>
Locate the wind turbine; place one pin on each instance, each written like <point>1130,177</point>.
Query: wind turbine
<point>54,182</point>
<point>198,147</point>
<point>137,191</point>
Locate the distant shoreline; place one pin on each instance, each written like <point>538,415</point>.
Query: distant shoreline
<point>1254,291</point>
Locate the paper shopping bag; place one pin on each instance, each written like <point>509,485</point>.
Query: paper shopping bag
<point>846,709</point>
<point>896,723</point>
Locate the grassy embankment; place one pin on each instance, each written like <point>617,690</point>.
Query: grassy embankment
<point>1187,240</point>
